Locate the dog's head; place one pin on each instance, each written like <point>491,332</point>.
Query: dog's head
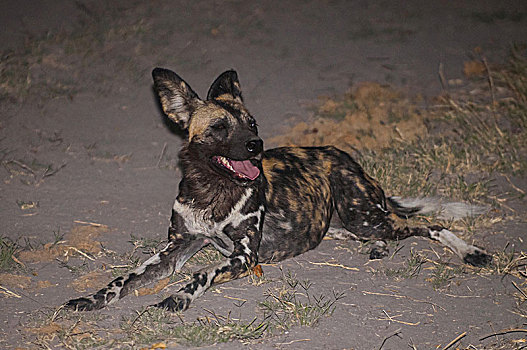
<point>221,131</point>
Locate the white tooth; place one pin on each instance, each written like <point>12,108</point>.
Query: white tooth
<point>226,163</point>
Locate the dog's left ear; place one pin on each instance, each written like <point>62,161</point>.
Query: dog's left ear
<point>226,87</point>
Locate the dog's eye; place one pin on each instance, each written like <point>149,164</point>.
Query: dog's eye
<point>253,124</point>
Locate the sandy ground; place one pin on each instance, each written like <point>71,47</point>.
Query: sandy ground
<point>86,123</point>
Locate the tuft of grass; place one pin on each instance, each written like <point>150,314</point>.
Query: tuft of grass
<point>412,267</point>
<point>509,262</point>
<point>31,173</point>
<point>59,328</point>
<point>154,325</point>
<point>292,304</point>
<point>7,251</point>
<point>441,276</point>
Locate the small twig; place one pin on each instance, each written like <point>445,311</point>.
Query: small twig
<point>519,290</point>
<point>56,313</point>
<point>87,223</point>
<point>411,344</point>
<point>491,82</point>
<point>462,296</point>
<point>17,261</point>
<point>392,319</point>
<point>397,251</point>
<point>161,155</point>
<point>514,186</point>
<point>293,341</point>
<point>216,316</point>
<point>50,172</point>
<point>141,314</point>
<point>399,133</point>
<point>441,73</point>
<point>23,166</point>
<point>394,334</point>
<point>495,335</point>
<point>234,298</point>
<point>334,265</point>
<point>389,317</point>
<point>120,266</point>
<point>10,293</point>
<point>20,295</point>
<point>458,338</point>
<point>82,253</point>
<point>505,331</point>
<point>493,96</point>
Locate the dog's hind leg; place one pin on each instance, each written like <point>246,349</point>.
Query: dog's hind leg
<point>157,267</point>
<point>385,229</point>
<point>363,208</point>
<point>365,213</point>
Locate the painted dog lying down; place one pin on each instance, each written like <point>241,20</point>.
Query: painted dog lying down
<point>255,205</point>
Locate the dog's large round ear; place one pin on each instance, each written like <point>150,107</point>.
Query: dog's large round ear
<point>177,98</point>
<point>226,87</point>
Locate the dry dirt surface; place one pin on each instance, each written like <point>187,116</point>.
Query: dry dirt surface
<point>89,167</point>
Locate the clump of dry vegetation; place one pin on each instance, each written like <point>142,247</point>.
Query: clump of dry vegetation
<point>369,116</point>
<point>293,304</point>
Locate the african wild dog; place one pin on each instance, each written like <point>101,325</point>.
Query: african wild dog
<point>254,205</point>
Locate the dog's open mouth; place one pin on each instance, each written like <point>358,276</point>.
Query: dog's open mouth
<point>241,169</point>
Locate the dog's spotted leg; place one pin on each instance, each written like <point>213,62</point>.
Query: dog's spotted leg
<point>157,267</point>
<point>238,265</point>
<point>470,254</point>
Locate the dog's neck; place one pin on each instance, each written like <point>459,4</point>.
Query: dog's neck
<point>207,190</point>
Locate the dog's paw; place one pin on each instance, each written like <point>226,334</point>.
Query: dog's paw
<point>378,250</point>
<point>83,304</point>
<point>174,303</point>
<point>478,258</point>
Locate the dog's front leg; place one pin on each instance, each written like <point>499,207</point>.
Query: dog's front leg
<point>238,264</point>
<point>158,266</point>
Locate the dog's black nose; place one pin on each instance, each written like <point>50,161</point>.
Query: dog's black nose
<point>254,146</point>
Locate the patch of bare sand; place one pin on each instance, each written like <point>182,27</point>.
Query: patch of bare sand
<point>81,240</point>
<point>370,116</point>
<point>91,280</point>
<point>14,281</point>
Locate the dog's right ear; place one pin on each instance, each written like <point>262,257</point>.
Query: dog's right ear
<point>178,100</point>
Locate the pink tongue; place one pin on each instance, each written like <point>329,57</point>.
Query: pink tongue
<point>245,168</point>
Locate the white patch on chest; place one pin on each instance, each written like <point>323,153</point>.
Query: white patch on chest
<point>199,222</point>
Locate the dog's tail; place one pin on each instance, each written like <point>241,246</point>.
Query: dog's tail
<point>408,207</point>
